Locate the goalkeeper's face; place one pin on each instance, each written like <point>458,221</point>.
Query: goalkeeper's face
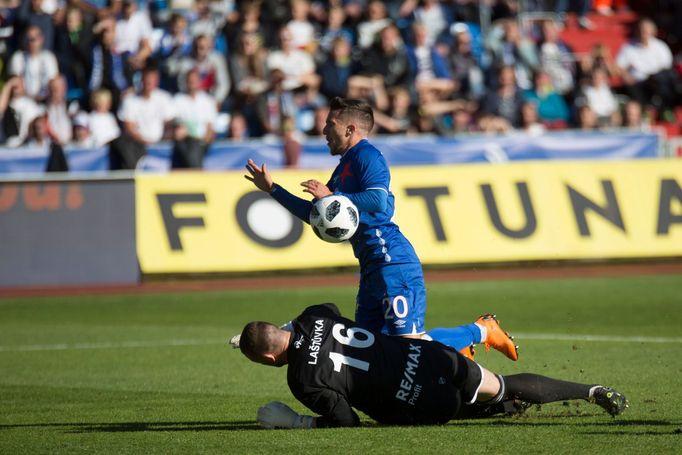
<point>257,358</point>
<point>269,359</point>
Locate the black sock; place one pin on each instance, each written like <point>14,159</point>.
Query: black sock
<point>533,388</point>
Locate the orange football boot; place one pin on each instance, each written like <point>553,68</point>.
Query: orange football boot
<point>468,352</point>
<point>498,338</point>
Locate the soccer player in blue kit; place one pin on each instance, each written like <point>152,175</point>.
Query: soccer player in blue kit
<point>392,296</point>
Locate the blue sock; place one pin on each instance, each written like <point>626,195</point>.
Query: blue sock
<point>457,337</point>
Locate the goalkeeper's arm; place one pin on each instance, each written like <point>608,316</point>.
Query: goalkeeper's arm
<point>278,415</point>
<point>335,410</point>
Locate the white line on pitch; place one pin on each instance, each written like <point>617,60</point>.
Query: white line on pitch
<point>110,345</point>
<point>610,338</point>
<point>165,343</point>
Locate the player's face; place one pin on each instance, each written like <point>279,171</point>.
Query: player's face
<point>337,134</point>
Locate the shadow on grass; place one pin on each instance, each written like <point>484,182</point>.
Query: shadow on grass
<point>131,427</point>
<point>677,432</point>
<point>660,427</point>
<point>523,422</point>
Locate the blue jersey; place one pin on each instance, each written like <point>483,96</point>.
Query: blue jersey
<point>378,241</point>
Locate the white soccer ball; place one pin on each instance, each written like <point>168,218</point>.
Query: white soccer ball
<point>334,218</point>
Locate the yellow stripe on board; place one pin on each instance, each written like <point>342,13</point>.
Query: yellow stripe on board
<point>218,222</point>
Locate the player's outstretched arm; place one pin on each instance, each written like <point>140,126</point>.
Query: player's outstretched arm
<point>259,176</point>
<point>370,200</point>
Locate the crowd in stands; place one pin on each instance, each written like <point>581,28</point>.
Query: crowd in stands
<point>126,74</point>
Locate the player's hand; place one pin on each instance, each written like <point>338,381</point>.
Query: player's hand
<point>279,415</point>
<point>259,176</point>
<point>316,188</point>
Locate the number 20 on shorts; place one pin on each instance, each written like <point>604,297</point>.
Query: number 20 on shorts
<point>397,306</point>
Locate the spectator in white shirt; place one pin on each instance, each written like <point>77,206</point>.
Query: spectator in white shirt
<point>81,132</point>
<point>213,74</point>
<point>302,30</point>
<point>101,122</point>
<point>38,133</point>
<point>207,21</point>
<point>556,58</point>
<point>432,14</point>
<point>194,123</point>
<point>144,117</point>
<point>18,111</point>
<point>298,66</point>
<point>37,66</point>
<point>645,65</point>
<point>58,118</point>
<point>377,20</point>
<point>601,99</point>
<point>133,34</point>
<point>530,120</point>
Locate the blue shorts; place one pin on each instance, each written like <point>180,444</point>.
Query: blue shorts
<point>392,300</point>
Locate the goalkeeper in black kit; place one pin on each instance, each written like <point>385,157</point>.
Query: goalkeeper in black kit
<point>335,366</point>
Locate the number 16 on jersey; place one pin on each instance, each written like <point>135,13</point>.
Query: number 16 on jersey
<point>350,339</point>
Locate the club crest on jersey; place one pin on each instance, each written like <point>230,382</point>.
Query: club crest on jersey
<point>346,172</point>
<point>316,342</point>
<point>298,342</point>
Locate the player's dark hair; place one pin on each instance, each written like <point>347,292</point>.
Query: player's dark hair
<point>350,109</point>
<point>258,338</point>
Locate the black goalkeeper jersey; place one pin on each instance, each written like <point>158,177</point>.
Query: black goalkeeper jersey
<point>335,365</point>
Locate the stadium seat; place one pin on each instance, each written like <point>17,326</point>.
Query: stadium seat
<point>612,31</point>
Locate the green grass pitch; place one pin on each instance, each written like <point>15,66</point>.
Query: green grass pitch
<point>152,373</point>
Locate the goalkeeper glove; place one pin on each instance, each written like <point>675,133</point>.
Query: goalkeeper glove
<point>234,341</point>
<point>279,415</point>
